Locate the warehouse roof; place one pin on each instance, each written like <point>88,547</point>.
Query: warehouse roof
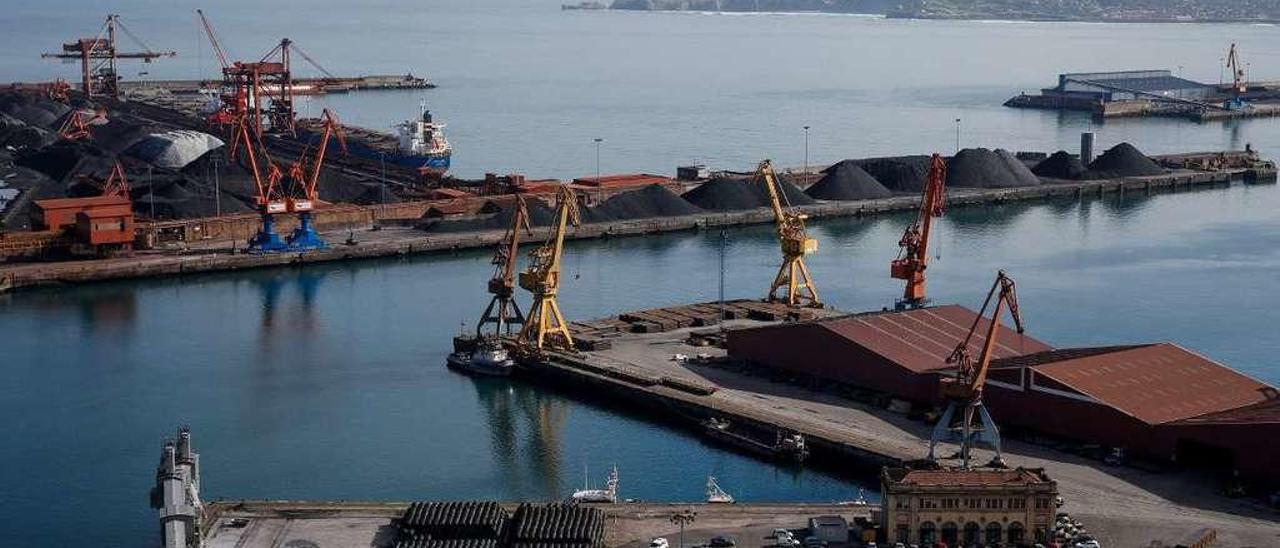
<point>1157,383</point>
<point>1261,413</point>
<point>1148,84</point>
<point>954,477</point>
<point>921,340</point>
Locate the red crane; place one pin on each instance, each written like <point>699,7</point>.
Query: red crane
<point>263,90</point>
<point>913,257</point>
<point>116,184</point>
<point>270,200</point>
<point>305,237</point>
<point>76,126</point>
<point>99,57</point>
<point>963,392</point>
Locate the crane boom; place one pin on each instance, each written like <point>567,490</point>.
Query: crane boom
<point>963,392</point>
<point>913,256</point>
<point>546,325</point>
<point>503,310</point>
<point>213,39</point>
<point>793,275</point>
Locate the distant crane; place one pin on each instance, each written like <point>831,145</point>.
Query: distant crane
<point>305,236</point>
<point>793,275</point>
<point>99,57</point>
<point>546,326</point>
<point>76,125</point>
<point>503,311</point>
<point>1238,83</point>
<point>963,393</point>
<point>116,183</point>
<point>913,258</point>
<point>269,200</point>
<point>262,90</point>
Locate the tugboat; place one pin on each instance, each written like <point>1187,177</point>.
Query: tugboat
<point>482,356</point>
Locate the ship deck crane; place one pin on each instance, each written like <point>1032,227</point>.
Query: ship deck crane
<point>503,311</point>
<point>793,275</point>
<point>963,393</point>
<point>99,58</point>
<point>545,326</point>
<point>269,199</point>
<point>305,236</point>
<point>913,257</point>
<point>1238,83</point>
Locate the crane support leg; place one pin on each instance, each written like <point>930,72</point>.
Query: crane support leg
<point>983,434</point>
<point>508,314</point>
<point>266,240</point>
<point>305,237</point>
<point>545,321</point>
<point>794,276</point>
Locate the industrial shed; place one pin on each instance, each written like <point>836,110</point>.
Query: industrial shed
<point>898,352</point>
<point>1127,86</point>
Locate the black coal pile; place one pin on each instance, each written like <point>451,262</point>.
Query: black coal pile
<point>17,134</point>
<point>900,174</point>
<point>735,193</point>
<point>63,160</point>
<point>1123,160</point>
<point>116,135</point>
<point>650,201</point>
<point>1061,165</point>
<point>986,168</point>
<point>847,181</point>
<point>540,214</point>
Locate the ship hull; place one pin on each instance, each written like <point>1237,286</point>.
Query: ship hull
<point>433,164</point>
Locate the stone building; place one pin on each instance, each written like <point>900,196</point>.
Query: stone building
<point>1010,507</point>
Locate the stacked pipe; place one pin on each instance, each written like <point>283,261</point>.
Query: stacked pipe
<point>448,543</point>
<point>439,521</point>
<point>557,525</point>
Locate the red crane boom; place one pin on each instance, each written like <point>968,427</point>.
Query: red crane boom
<point>332,128</point>
<point>913,257</point>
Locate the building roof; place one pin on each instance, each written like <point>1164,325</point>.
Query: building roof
<point>1154,84</point>
<point>1057,355</point>
<point>921,340</point>
<point>631,179</point>
<point>1267,412</point>
<point>1157,383</point>
<point>90,201</point>
<point>978,477</point>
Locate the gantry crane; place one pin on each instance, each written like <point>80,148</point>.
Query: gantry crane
<point>305,236</point>
<point>270,200</point>
<point>793,275</point>
<point>503,311</point>
<point>1238,83</point>
<point>262,90</point>
<point>99,57</point>
<point>963,393</point>
<point>913,258</point>
<point>545,326</point>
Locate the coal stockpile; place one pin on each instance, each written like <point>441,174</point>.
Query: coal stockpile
<point>650,201</point>
<point>986,168</point>
<point>539,525</point>
<point>540,214</point>
<point>452,520</point>
<point>899,174</point>
<point>17,134</point>
<point>847,181</point>
<point>1061,165</point>
<point>735,194</point>
<point>1123,160</point>
<point>63,160</point>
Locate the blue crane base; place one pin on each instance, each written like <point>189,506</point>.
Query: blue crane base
<point>266,240</point>
<point>305,237</point>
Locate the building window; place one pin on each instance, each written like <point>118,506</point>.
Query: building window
<point>928,533</point>
<point>993,532</point>
<point>950,504</point>
<point>995,504</point>
<point>902,502</point>
<point>973,504</point>
<point>1042,503</point>
<point>904,534</point>
<point>972,531</point>
<point>950,533</point>
<point>928,503</point>
<point>1016,533</point>
<point>1017,504</point>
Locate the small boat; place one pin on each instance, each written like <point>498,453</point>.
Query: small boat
<point>716,495</point>
<point>609,494</point>
<point>485,357</point>
<point>785,446</point>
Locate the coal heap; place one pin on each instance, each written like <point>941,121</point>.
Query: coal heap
<point>986,168</point>
<point>1123,160</point>
<point>899,174</point>
<point>847,181</point>
<point>648,202</point>
<point>1061,165</point>
<point>540,214</point>
<point>63,160</point>
<point>733,194</point>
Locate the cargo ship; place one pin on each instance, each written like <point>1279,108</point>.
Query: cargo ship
<point>418,144</point>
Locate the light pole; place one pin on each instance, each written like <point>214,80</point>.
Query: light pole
<point>217,190</point>
<point>683,518</point>
<point>598,140</point>
<point>724,241</point>
<point>382,190</point>
<point>806,152</point>
<point>957,135</point>
<point>1222,71</point>
<point>151,194</point>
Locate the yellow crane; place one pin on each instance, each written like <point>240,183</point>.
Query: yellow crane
<point>545,325</point>
<point>793,275</point>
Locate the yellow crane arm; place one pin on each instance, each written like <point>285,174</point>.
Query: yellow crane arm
<point>775,199</point>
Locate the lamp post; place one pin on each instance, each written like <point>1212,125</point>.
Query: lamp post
<point>683,518</point>
<point>217,190</point>
<point>806,152</point>
<point>957,135</point>
<point>598,140</point>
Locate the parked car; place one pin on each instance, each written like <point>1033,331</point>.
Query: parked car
<point>722,542</point>
<point>780,533</point>
<point>659,542</point>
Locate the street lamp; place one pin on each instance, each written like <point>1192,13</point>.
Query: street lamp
<point>957,135</point>
<point>683,518</point>
<point>217,190</point>
<point>598,140</point>
<point>806,151</point>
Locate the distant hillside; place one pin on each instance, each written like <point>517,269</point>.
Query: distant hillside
<point>1041,10</point>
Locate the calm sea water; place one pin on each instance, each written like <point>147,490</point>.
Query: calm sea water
<point>329,382</point>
